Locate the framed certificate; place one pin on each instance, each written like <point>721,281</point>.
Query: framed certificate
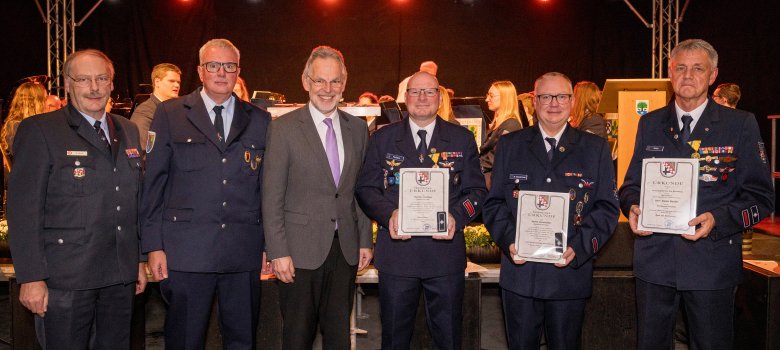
<point>423,201</point>
<point>542,226</point>
<point>667,200</point>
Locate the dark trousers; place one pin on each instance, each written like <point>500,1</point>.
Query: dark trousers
<point>321,296</point>
<point>710,315</point>
<point>83,319</point>
<point>399,297</point>
<point>190,297</point>
<point>525,317</point>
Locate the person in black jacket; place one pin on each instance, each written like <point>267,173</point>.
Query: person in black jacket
<point>72,213</point>
<point>502,100</point>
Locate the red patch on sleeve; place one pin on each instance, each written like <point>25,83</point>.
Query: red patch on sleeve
<point>469,207</point>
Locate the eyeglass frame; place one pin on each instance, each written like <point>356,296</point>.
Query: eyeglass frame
<point>429,92</point>
<point>320,83</point>
<point>87,81</point>
<point>557,97</point>
<point>222,65</point>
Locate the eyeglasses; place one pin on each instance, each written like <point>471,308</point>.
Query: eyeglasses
<point>213,67</point>
<point>319,83</point>
<point>427,92</point>
<point>83,81</point>
<point>547,99</point>
<point>489,96</point>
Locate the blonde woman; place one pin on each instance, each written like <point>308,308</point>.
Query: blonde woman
<point>240,89</point>
<point>583,110</point>
<point>29,100</point>
<point>445,106</point>
<point>502,101</point>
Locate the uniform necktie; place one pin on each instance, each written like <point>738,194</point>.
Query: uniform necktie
<point>551,141</point>
<point>686,130</point>
<point>422,147</point>
<point>332,150</point>
<point>219,124</point>
<point>101,134</point>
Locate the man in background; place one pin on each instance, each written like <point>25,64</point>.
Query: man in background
<point>428,66</point>
<point>166,79</point>
<point>727,94</point>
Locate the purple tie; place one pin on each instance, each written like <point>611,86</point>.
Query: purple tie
<point>332,150</point>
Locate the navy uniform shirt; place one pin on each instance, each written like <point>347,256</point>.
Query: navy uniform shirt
<point>735,185</point>
<point>581,168</point>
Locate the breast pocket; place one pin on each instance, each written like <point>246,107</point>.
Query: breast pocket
<point>189,152</point>
<point>77,177</point>
<point>253,157</point>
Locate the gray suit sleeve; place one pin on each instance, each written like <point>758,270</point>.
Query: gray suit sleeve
<point>142,117</point>
<point>275,171</point>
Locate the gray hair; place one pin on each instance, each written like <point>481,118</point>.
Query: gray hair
<point>552,75</point>
<point>325,52</point>
<point>87,52</point>
<point>219,43</point>
<point>696,44</point>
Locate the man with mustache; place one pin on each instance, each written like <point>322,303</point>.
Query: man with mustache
<point>72,214</point>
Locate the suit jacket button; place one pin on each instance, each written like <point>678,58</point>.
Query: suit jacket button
<point>60,241</point>
<point>224,160</point>
<point>332,220</point>
<point>549,180</point>
<point>223,225</point>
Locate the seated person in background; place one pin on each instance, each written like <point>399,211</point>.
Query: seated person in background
<point>240,89</point>
<point>166,79</point>
<point>53,103</point>
<point>527,101</point>
<point>367,98</point>
<point>727,94</point>
<point>386,98</point>
<point>502,101</point>
<point>583,110</point>
<point>445,106</point>
<point>427,66</point>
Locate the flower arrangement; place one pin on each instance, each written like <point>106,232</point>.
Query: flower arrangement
<point>477,236</point>
<point>3,230</point>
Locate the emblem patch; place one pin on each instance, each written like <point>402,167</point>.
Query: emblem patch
<point>423,178</point>
<point>79,173</point>
<point>132,153</point>
<point>642,107</point>
<point>668,169</point>
<point>542,202</point>
<point>150,141</point>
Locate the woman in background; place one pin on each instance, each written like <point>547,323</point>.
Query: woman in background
<point>445,106</point>
<point>29,100</point>
<point>583,111</point>
<point>240,89</point>
<point>502,101</point>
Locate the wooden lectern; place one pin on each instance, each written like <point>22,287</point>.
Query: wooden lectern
<point>631,99</point>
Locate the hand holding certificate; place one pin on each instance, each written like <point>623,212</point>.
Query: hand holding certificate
<point>542,226</point>
<point>423,203</point>
<point>667,201</point>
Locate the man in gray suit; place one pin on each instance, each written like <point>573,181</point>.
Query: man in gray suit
<point>316,235</point>
<point>166,80</point>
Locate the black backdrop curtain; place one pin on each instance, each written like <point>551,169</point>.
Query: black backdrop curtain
<point>384,41</point>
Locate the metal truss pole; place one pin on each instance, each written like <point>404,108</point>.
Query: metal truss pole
<point>666,28</point>
<point>60,38</point>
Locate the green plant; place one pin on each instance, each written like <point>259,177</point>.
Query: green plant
<point>477,236</point>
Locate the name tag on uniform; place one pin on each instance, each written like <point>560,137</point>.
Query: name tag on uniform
<point>655,148</point>
<point>76,153</point>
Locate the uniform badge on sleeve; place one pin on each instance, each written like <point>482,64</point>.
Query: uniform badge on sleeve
<point>469,207</point>
<point>745,218</point>
<point>754,214</point>
<point>150,141</point>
